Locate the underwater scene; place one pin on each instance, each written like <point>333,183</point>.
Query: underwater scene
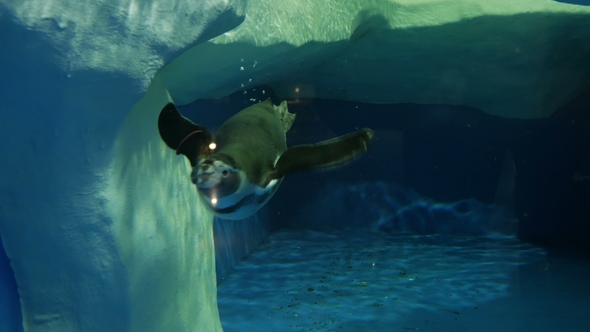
<point>289,165</point>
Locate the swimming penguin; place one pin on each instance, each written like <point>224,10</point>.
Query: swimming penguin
<point>238,169</point>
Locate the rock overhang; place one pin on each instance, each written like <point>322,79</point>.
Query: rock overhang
<point>517,60</point>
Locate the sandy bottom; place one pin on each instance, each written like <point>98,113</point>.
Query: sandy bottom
<point>357,280</point>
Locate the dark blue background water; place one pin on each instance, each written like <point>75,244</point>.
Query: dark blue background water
<point>9,297</point>
<point>447,154</point>
<point>576,2</point>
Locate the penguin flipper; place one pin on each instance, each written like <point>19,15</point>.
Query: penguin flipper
<point>324,155</point>
<point>182,135</point>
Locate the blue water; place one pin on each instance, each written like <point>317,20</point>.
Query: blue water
<point>10,314</point>
<point>357,250</point>
<point>347,280</point>
<point>576,2</point>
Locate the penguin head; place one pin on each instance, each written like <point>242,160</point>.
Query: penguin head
<point>216,177</point>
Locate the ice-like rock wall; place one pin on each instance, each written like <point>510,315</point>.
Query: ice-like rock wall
<point>519,59</point>
<point>163,235</point>
<point>131,37</point>
<point>102,229</point>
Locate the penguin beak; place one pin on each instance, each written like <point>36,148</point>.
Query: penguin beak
<point>210,173</point>
<point>204,175</point>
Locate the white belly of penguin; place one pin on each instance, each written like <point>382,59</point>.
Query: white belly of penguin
<point>244,202</point>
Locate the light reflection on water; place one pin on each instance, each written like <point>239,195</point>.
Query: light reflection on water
<point>345,280</point>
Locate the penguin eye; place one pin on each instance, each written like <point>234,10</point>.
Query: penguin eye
<point>225,173</point>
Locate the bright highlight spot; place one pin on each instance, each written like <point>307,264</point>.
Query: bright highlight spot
<point>213,201</point>
<point>212,146</point>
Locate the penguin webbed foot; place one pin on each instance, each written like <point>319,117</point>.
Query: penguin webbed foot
<point>324,155</point>
<point>182,135</point>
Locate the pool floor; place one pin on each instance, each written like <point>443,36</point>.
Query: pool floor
<point>359,280</point>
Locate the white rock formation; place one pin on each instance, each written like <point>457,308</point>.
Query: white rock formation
<point>518,59</point>
<point>102,233</point>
